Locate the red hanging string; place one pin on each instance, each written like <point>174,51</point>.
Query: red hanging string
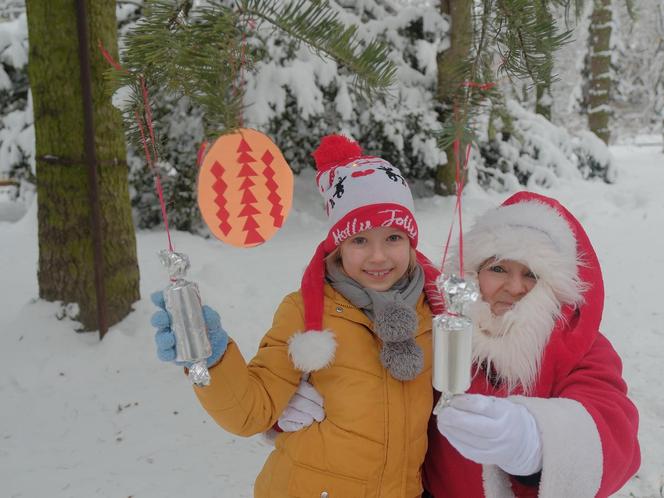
<point>238,84</point>
<point>239,73</point>
<point>160,190</point>
<point>109,58</point>
<point>459,183</point>
<point>150,158</point>
<point>460,179</point>
<point>148,117</point>
<point>481,86</point>
<point>201,153</point>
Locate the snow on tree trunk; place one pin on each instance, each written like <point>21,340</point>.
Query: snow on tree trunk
<point>460,13</point>
<point>599,108</point>
<point>544,100</point>
<point>66,271</point>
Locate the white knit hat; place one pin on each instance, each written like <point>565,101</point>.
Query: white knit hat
<point>360,193</point>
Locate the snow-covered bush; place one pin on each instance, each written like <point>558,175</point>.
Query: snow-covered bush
<point>529,150</point>
<point>296,97</point>
<point>180,130</point>
<point>16,124</point>
<point>17,134</point>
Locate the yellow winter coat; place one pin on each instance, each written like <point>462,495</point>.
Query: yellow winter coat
<point>374,437</point>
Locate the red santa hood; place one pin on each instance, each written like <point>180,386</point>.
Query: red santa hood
<point>587,423</point>
<point>577,329</point>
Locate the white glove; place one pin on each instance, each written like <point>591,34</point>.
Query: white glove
<point>493,431</point>
<point>304,407</point>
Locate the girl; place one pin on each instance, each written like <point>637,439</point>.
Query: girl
<point>547,413</point>
<point>359,328</point>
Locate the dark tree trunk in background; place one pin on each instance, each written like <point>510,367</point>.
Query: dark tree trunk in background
<point>599,92</point>
<point>544,99</point>
<point>460,13</point>
<point>66,264</point>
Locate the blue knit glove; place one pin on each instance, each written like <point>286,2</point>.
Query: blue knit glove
<point>165,338</point>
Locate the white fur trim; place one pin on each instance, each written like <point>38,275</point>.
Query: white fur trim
<point>572,449</point>
<point>513,343</point>
<point>532,233</point>
<point>496,482</point>
<point>312,350</point>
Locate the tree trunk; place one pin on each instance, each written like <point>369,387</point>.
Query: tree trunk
<point>459,12</point>
<point>66,265</point>
<point>599,110</point>
<point>544,100</point>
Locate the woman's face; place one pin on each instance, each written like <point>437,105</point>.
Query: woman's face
<point>376,258</point>
<point>504,283</point>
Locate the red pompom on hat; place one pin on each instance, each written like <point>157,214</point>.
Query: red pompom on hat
<point>334,150</point>
<point>360,192</point>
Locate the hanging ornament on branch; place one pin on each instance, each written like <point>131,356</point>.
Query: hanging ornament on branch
<point>183,302</point>
<point>453,329</point>
<point>245,188</point>
<point>452,338</point>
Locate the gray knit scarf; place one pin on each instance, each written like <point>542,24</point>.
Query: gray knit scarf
<point>393,315</point>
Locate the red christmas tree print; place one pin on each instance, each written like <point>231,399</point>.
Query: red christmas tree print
<point>220,187</point>
<point>248,198</point>
<point>274,197</point>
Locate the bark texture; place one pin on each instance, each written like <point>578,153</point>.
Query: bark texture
<point>544,99</point>
<point>460,14</point>
<point>599,94</point>
<point>66,264</point>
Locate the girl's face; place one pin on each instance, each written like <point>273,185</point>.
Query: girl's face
<point>503,283</point>
<point>376,258</point>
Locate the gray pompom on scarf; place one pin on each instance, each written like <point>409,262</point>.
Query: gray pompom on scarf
<point>394,317</point>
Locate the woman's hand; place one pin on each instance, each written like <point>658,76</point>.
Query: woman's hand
<point>490,430</point>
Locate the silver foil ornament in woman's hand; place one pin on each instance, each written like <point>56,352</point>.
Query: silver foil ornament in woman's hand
<point>452,338</point>
<point>183,303</point>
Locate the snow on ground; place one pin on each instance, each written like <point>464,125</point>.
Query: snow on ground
<point>82,418</point>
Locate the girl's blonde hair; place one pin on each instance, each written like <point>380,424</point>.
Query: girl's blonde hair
<point>335,257</point>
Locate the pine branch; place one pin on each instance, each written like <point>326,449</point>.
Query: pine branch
<point>196,53</point>
<point>528,39</point>
<point>524,37</point>
<point>313,22</point>
<point>186,56</point>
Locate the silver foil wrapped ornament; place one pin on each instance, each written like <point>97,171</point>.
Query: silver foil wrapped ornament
<point>183,302</point>
<point>453,338</point>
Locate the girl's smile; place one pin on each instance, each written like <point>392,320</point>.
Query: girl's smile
<point>376,258</point>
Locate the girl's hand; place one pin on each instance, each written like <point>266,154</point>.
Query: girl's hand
<point>165,339</point>
<point>490,430</point>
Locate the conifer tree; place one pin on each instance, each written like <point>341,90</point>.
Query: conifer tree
<point>197,63</point>
<point>199,53</point>
<point>66,268</point>
<point>543,98</point>
<point>513,38</point>
<point>461,18</point>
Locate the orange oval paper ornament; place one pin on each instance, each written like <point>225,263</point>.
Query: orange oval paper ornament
<point>245,188</point>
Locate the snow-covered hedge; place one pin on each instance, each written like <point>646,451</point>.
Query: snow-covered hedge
<point>529,150</point>
<point>16,130</point>
<point>296,97</point>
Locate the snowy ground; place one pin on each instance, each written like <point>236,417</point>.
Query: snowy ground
<point>80,418</point>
